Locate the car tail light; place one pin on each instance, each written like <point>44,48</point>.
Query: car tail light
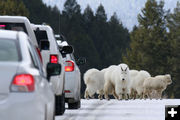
<point>39,53</point>
<point>53,59</point>
<point>2,25</point>
<point>23,83</point>
<point>67,91</point>
<point>69,66</point>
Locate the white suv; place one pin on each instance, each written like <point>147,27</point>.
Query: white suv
<point>50,53</point>
<point>72,78</point>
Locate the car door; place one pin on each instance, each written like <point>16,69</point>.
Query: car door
<point>43,86</point>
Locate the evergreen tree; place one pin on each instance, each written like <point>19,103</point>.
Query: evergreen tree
<point>71,7</point>
<point>73,17</point>
<point>114,20</point>
<point>88,14</point>
<point>118,32</point>
<point>88,19</point>
<point>150,48</point>
<point>13,7</point>
<point>101,14</point>
<point>174,60</point>
<point>40,13</point>
<point>99,33</point>
<point>118,39</point>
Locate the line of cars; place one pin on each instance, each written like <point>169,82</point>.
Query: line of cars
<point>38,75</point>
<point>72,76</point>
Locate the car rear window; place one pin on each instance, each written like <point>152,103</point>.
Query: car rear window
<point>8,50</point>
<point>13,26</point>
<point>40,35</point>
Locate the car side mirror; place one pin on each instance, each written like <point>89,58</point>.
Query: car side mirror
<point>67,50</point>
<point>44,44</point>
<point>59,42</point>
<point>53,69</point>
<point>81,61</point>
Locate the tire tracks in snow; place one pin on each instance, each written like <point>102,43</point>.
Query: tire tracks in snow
<point>89,112</point>
<point>97,107</point>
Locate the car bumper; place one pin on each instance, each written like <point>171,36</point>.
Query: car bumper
<point>57,84</point>
<point>21,106</point>
<point>71,86</point>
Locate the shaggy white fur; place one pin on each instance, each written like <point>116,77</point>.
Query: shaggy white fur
<point>117,77</point>
<point>109,87</point>
<point>157,84</point>
<point>136,85</point>
<point>94,80</point>
<point>89,83</point>
<point>100,90</point>
<point>132,88</point>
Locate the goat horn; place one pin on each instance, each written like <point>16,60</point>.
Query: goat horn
<point>126,69</point>
<point>121,69</point>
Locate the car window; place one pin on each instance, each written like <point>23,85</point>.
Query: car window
<point>72,57</point>
<point>40,35</point>
<point>33,58</point>
<point>9,50</point>
<point>36,59</point>
<point>13,26</point>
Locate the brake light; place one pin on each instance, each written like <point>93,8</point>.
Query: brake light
<point>69,66</point>
<point>23,83</point>
<point>67,91</point>
<point>2,25</point>
<point>53,59</point>
<point>39,53</point>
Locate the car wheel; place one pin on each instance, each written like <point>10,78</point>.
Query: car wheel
<point>60,104</point>
<point>74,105</point>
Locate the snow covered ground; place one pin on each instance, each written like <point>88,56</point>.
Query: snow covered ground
<point>94,109</point>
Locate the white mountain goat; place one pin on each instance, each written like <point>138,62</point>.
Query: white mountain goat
<point>117,78</point>
<point>89,92</point>
<point>157,84</point>
<point>136,84</point>
<point>109,87</point>
<point>132,88</point>
<point>94,80</point>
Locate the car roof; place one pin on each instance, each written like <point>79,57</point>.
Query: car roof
<point>9,34</point>
<point>41,27</point>
<point>17,19</point>
<point>21,19</point>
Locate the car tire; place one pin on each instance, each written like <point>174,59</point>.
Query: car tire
<point>74,105</point>
<point>60,104</point>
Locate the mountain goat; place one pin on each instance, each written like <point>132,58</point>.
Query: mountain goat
<point>116,81</point>
<point>157,84</point>
<point>136,84</point>
<point>94,80</point>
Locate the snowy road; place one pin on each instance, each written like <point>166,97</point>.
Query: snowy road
<point>119,110</point>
